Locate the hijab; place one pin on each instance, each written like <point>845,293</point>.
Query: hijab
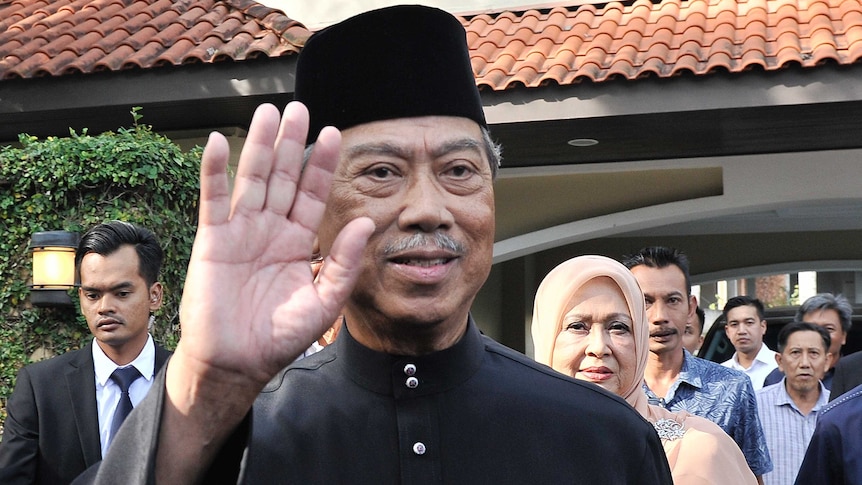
<point>709,456</point>
<point>554,300</point>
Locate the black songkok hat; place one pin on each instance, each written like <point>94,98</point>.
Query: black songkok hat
<point>396,62</point>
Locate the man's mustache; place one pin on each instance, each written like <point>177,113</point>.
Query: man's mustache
<point>421,240</point>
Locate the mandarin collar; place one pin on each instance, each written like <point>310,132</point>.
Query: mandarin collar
<point>406,376</point>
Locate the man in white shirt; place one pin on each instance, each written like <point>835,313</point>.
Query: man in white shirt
<point>61,415</point>
<point>745,327</point>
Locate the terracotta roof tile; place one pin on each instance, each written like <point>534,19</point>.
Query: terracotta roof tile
<point>56,37</point>
<point>532,48</point>
<point>114,58</point>
<point>662,39</point>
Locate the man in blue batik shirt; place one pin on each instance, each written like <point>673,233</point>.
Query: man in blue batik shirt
<point>679,381</point>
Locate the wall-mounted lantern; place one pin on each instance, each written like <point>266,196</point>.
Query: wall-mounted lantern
<point>53,267</point>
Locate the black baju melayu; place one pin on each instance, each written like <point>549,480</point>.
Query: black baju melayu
<point>477,412</point>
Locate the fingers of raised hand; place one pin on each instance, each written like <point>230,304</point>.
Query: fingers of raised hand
<point>310,200</point>
<point>271,176</point>
<point>289,153</point>
<point>255,161</point>
<point>342,266</point>
<point>215,194</point>
<point>271,161</point>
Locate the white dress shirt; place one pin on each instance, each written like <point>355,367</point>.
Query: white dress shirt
<point>763,364</point>
<point>108,392</point>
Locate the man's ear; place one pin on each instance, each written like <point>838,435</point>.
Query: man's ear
<point>692,308</point>
<point>156,295</point>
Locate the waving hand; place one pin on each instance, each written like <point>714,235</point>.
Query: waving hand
<point>250,304</point>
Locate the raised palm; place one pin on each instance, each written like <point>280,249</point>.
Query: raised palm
<point>250,304</point>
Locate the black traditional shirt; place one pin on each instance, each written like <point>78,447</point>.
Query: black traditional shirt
<point>477,412</point>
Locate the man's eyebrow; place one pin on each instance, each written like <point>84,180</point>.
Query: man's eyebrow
<point>383,148</point>
<point>119,286</point>
<point>659,294</point>
<point>461,144</point>
<point>389,149</point>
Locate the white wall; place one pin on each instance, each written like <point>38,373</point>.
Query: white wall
<point>320,13</point>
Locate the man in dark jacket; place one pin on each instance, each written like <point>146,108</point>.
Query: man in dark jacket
<point>61,413</point>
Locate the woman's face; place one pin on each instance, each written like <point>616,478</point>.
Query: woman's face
<point>596,342</point>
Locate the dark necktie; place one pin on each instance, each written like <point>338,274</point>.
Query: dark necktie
<point>124,378</point>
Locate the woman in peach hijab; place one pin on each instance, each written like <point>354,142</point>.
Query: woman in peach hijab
<point>589,322</point>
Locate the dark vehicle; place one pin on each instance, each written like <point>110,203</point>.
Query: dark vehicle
<point>717,347</point>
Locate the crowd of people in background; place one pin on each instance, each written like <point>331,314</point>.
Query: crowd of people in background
<point>774,404</point>
<point>368,367</point>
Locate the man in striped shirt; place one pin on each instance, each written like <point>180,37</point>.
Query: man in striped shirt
<point>789,409</point>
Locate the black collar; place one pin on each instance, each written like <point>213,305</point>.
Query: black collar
<point>427,374</point>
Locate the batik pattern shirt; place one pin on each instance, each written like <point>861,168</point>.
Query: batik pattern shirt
<point>725,397</point>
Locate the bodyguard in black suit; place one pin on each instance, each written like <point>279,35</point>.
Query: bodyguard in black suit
<point>848,374</point>
<point>53,430</point>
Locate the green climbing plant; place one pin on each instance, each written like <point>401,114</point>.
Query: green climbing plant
<point>72,183</point>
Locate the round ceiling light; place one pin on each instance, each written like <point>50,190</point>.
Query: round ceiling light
<point>583,142</point>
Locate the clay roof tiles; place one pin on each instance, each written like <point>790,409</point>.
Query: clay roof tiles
<point>561,45</point>
<point>664,39</point>
<point>57,37</point>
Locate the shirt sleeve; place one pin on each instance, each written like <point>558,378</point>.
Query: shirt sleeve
<point>20,444</point>
<point>748,432</point>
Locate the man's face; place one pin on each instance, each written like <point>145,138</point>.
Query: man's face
<point>427,184</point>
<point>668,306</point>
<point>831,321</point>
<point>745,329</point>
<point>804,361</point>
<point>692,339</point>
<point>115,299</point>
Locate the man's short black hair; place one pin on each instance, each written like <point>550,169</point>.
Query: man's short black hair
<point>797,326</point>
<point>701,319</point>
<point>660,257</point>
<point>743,300</point>
<point>106,238</point>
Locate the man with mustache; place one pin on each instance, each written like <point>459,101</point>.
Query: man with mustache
<point>410,392</point>
<point>679,381</point>
<point>61,415</point>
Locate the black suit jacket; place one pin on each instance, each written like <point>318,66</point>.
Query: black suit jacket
<point>848,374</point>
<point>51,433</point>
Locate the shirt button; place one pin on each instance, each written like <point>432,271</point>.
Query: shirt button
<point>419,448</point>
<point>412,382</point>
<point>409,369</point>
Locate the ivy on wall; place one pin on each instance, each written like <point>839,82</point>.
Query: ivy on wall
<point>73,183</point>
